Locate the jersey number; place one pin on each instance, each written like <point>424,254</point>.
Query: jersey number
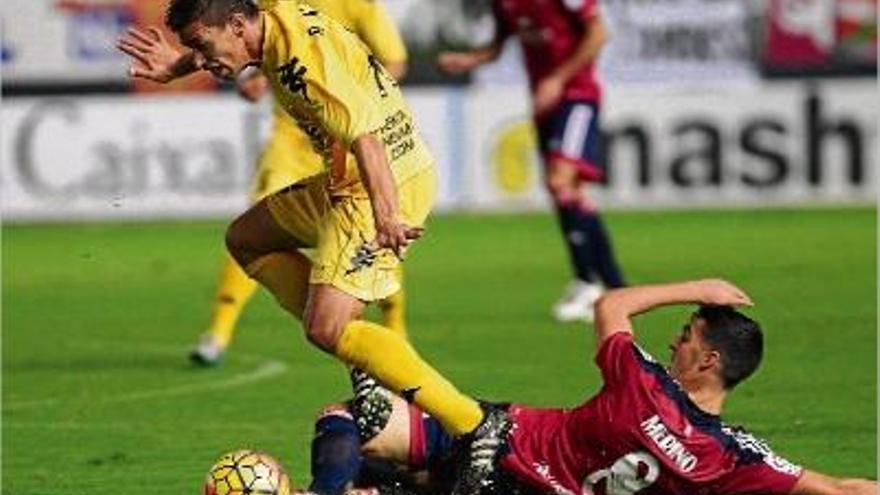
<point>627,476</point>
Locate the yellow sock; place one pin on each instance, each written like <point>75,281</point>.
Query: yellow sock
<point>286,276</point>
<point>388,357</point>
<point>233,293</point>
<point>394,307</point>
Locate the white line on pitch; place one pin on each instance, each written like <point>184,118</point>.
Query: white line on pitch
<point>267,370</point>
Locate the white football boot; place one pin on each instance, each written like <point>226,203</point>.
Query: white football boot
<point>209,352</point>
<point>577,302</point>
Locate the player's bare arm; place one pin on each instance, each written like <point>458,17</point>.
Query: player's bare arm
<point>154,58</point>
<point>461,62</point>
<point>615,309</point>
<point>549,91</point>
<point>373,166</point>
<point>813,483</point>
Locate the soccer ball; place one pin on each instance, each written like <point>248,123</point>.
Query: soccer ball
<point>247,472</point>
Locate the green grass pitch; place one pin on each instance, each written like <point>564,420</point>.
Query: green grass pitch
<point>98,397</point>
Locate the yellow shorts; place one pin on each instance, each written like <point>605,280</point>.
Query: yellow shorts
<point>339,228</point>
<point>287,158</point>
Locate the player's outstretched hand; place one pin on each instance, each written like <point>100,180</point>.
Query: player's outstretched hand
<point>153,57</point>
<point>456,63</point>
<point>721,293</point>
<point>396,236</point>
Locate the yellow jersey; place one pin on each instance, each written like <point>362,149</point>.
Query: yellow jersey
<point>366,18</point>
<point>336,90</point>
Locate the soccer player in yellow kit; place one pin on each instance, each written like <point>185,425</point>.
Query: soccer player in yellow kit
<point>359,215</point>
<point>287,158</point>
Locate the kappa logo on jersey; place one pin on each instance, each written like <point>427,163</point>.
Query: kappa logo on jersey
<point>293,78</point>
<point>379,75</point>
<point>669,444</point>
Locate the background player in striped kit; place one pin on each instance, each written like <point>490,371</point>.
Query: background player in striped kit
<point>561,41</point>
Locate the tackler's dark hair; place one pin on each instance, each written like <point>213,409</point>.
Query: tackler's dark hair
<point>737,338</point>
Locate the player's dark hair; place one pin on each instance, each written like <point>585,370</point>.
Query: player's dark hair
<point>182,13</point>
<point>737,338</point>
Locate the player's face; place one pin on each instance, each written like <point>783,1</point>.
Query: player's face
<point>689,350</point>
<point>220,50</point>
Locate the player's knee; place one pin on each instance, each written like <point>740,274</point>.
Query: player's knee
<point>321,339</point>
<point>561,180</point>
<point>236,241</point>
<point>556,189</point>
<point>562,173</point>
<point>239,241</point>
<point>561,192</point>
<point>327,314</point>
<point>322,331</point>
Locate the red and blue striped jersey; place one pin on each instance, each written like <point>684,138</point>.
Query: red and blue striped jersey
<point>549,32</point>
<point>641,434</point>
